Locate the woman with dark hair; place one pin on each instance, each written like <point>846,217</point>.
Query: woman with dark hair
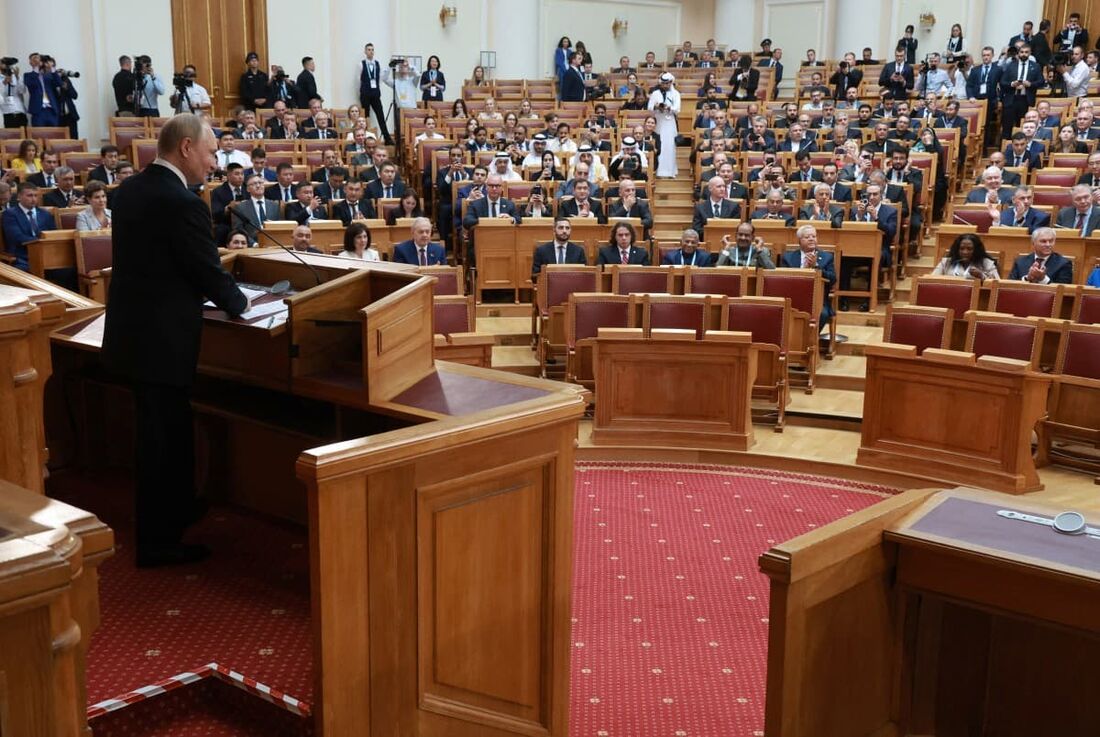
<point>238,239</point>
<point>27,160</point>
<point>357,243</point>
<point>954,44</point>
<point>408,207</point>
<point>432,81</point>
<point>1066,142</point>
<point>549,171</point>
<point>458,109</point>
<point>744,80</point>
<point>586,58</point>
<point>562,54</point>
<point>968,259</point>
<point>908,44</point>
<point>649,140</point>
<point>95,216</point>
<point>709,83</point>
<point>640,101</point>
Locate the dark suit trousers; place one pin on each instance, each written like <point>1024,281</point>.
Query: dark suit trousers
<point>1012,112</point>
<point>164,450</point>
<point>374,102</point>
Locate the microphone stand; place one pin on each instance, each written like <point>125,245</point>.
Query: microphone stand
<point>260,229</point>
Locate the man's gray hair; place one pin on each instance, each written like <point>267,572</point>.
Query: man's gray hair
<point>1040,232</point>
<point>689,232</point>
<point>62,171</point>
<point>179,127</point>
<point>803,230</point>
<point>417,222</point>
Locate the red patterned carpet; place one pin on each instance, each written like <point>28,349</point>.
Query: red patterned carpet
<point>670,611</point>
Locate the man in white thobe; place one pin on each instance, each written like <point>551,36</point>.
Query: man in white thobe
<point>665,104</point>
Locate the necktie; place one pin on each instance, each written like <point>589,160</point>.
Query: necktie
<point>1023,74</point>
<point>423,255</point>
<point>286,194</point>
<point>717,209</point>
<point>1018,160</point>
<point>49,180</point>
<point>624,256</point>
<point>34,225</point>
<point>985,72</point>
<point>259,210</point>
<point>389,192</point>
<point>561,254</point>
<point>1080,221</point>
<point>492,209</point>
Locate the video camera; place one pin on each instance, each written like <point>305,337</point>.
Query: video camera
<point>280,75</point>
<point>1061,59</point>
<point>142,65</point>
<point>66,73</point>
<point>395,62</point>
<point>181,80</point>
<point>9,65</point>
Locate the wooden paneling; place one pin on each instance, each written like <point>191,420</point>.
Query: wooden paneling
<point>215,36</point>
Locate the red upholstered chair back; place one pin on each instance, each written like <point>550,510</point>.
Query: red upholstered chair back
<point>688,312</point>
<point>560,283</point>
<point>66,145</point>
<point>94,251</point>
<point>312,158</point>
<point>124,138</point>
<point>956,295</point>
<point>144,153</point>
<point>764,317</point>
<point>273,146</point>
<point>81,161</point>
<point>47,133</point>
<point>11,145</point>
<point>448,279</point>
<point>972,216</point>
<point>1056,177</point>
<point>1006,339</point>
<point>1081,352</point>
<point>1059,196</point>
<point>1077,161</point>
<point>590,312</point>
<point>923,327</point>
<point>637,282</point>
<point>1087,309</point>
<point>798,289</point>
<point>67,217</point>
<point>452,315</point>
<point>729,282</point>
<point>1024,300</point>
<point>12,134</point>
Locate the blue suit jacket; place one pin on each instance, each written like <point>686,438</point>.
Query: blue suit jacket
<point>676,258</point>
<point>405,253</point>
<point>17,232</point>
<point>480,209</point>
<point>1032,219</point>
<point>826,264</point>
<point>1059,268</point>
<point>34,82</point>
<point>992,83</point>
<point>572,86</point>
<point>888,224</point>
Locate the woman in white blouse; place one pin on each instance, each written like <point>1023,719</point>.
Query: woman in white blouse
<point>967,258</point>
<point>357,243</point>
<point>95,216</point>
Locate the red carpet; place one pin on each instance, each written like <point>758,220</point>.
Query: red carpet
<point>670,612</point>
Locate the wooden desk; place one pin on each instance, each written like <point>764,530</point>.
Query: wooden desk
<point>49,607</point>
<point>328,235</point>
<point>55,249</point>
<point>948,416</point>
<point>667,391</point>
<point>964,622</point>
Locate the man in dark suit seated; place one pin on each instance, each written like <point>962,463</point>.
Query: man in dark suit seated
<point>1009,178</point>
<point>581,205</point>
<point>991,189</point>
<point>870,209</point>
<point>1021,214</point>
<point>622,249</point>
<point>1091,177</point>
<point>820,209</point>
<point>330,159</point>
<point>387,185</point>
<point>716,205</point>
<point>773,209</point>
<point>165,265</point>
<point>105,172</point>
<point>804,169</point>
<point>66,193</point>
<point>632,206</point>
<point>1018,154</point>
<point>881,143</point>
<point>308,205</point>
<point>354,207</point>
<point>560,250</point>
<point>419,250</point>
<point>47,177</point>
<point>253,213</point>
<point>808,257</point>
<point>222,199</point>
<point>830,175</point>
<point>734,189</point>
<point>23,223</point>
<point>759,138</point>
<point>284,189</point>
<point>1084,216</point>
<point>1043,265</point>
<point>689,253</point>
<point>333,189</point>
<point>493,205</point>
<point>259,165</point>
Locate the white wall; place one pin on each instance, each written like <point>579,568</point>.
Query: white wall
<point>653,25</point>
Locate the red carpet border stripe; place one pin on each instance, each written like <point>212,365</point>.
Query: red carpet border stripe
<point>222,673</point>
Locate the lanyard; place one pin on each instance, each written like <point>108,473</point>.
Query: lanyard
<point>737,256</point>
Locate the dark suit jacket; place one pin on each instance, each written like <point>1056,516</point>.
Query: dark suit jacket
<point>842,82</point>
<point>1061,40</point>
<point>809,143</point>
<point>276,131</point>
<point>327,134</point>
<point>1031,159</point>
<point>1032,219</point>
<point>37,178</point>
<point>992,83</point>
<point>835,218</point>
<point>957,122</point>
<point>572,86</point>
<point>841,193</point>
<point>978,195</point>
<point>610,255</point>
<point>1009,75</point>
<point>751,83</point>
<point>676,258</point>
<point>154,317</point>
<point>795,175</point>
<point>767,62</point>
<point>98,173</point>
<point>762,214</point>
<point>749,141</point>
<point>439,80</point>
<point>568,209</point>
<point>826,265</point>
<point>639,210</point>
<point>480,209</point>
<point>275,192</point>
<point>375,190</point>
<point>888,223</point>
<point>243,216</point>
<point>307,87</point>
<point>17,232</point>
<point>1059,268</point>
<point>365,89</point>
<point>54,198</point>
<point>545,254</point>
<point>342,211</point>
<point>1067,218</point>
<point>704,211</point>
<point>324,191</point>
<point>296,211</point>
<point>405,253</point>
<point>898,90</point>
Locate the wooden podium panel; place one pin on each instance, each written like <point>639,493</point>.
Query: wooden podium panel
<point>530,234</point>
<point>947,415</point>
<point>495,246</point>
<point>441,559</point>
<point>676,393</point>
<point>328,235</point>
<point>857,240</point>
<point>54,249</point>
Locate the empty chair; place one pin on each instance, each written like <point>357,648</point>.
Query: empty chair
<point>585,314</point>
<point>453,322</point>
<point>65,217</point>
<point>1087,307</point>
<point>767,319</point>
<point>639,279</point>
<point>677,312</point>
<point>556,282</point>
<point>452,314</point>
<point>1074,403</point>
<point>923,327</point>
<point>732,281</point>
<point>448,279</point>
<point>994,334</point>
<point>93,255</point>
<point>804,289</point>
<point>1024,299</point>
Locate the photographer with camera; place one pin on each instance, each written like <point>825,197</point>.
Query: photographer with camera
<point>933,79</point>
<point>1071,35</point>
<point>846,76</point>
<point>67,114</point>
<point>190,96</point>
<point>11,104</point>
<point>42,83</point>
<point>1074,71</point>
<point>148,87</point>
<point>282,89</point>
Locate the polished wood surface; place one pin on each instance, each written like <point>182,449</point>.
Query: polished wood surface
<point>673,390</point>
<point>441,565</point>
<point>49,607</point>
<point>54,249</point>
<point>948,415</point>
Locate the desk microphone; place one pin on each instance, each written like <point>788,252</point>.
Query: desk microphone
<point>260,229</point>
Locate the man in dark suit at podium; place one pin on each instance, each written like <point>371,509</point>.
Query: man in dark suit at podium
<point>560,250</point>
<point>419,250</point>
<point>154,323</point>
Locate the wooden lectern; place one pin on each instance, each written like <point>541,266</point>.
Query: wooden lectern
<point>948,415</point>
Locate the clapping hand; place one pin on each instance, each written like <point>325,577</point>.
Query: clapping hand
<point>1036,273</point>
